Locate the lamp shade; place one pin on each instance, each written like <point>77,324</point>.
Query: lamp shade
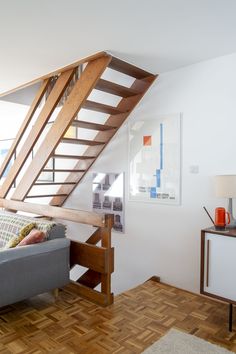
<point>225,186</point>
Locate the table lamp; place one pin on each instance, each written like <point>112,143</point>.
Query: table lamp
<point>225,187</point>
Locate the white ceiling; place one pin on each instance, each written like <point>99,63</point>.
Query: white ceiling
<point>38,36</point>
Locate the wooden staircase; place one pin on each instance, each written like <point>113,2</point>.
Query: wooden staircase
<point>56,145</point>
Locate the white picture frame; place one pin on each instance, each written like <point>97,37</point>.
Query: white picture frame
<point>108,197</point>
<point>155,160</point>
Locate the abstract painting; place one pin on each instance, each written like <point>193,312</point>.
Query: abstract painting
<point>154,160</point>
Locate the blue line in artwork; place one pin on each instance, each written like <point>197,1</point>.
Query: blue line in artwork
<point>158,178</point>
<point>153,192</point>
<point>161,146</point>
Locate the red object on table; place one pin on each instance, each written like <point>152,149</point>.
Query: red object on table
<point>220,217</point>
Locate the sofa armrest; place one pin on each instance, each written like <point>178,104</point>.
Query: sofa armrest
<point>32,250</point>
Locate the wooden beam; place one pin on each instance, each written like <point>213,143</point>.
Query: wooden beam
<point>90,278</point>
<point>81,141</point>
<point>91,294</point>
<point>25,124</point>
<point>75,157</point>
<point>45,195</point>
<point>115,89</point>
<point>52,183</point>
<point>73,170</point>
<point>79,216</point>
<point>56,72</point>
<point>106,242</point>
<point>91,125</point>
<point>90,256</point>
<point>100,107</point>
<point>95,237</point>
<point>36,130</point>
<point>74,102</point>
<point>128,69</point>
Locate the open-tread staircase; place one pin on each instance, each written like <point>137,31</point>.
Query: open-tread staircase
<point>79,90</point>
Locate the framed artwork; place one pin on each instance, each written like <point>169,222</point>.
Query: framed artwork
<point>5,145</point>
<point>154,160</point>
<point>108,196</point>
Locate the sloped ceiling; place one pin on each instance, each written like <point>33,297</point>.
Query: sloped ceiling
<point>39,36</point>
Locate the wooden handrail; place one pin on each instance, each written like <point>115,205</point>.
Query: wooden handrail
<point>79,216</point>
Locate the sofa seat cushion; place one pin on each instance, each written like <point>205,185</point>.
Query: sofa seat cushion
<point>11,225</point>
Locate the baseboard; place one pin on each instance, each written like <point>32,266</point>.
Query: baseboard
<point>155,278</point>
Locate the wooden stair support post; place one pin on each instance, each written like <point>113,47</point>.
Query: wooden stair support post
<point>99,260</point>
<point>126,105</point>
<point>106,242</point>
<point>37,129</point>
<point>25,124</point>
<point>74,102</point>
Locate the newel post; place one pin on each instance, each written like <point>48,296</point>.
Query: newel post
<point>106,243</point>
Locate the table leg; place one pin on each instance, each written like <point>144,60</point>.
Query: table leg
<point>230,317</point>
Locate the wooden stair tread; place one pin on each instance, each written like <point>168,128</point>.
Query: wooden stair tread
<point>128,69</point>
<point>100,107</point>
<point>46,195</point>
<point>62,170</point>
<point>92,126</point>
<point>81,141</point>
<point>53,183</point>
<point>75,157</point>
<point>115,89</point>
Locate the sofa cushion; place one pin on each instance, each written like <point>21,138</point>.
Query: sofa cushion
<point>35,236</point>
<point>13,242</point>
<point>11,224</point>
<point>26,230</point>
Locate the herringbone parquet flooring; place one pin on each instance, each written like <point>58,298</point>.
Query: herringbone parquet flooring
<point>137,319</point>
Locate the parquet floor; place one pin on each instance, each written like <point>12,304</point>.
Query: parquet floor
<point>137,319</point>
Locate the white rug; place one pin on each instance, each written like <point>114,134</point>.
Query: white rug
<point>177,342</point>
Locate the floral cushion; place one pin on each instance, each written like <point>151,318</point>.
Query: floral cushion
<point>15,240</point>
<point>11,225</point>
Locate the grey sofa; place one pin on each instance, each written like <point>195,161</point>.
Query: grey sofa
<point>26,271</point>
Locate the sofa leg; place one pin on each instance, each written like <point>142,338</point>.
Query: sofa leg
<point>55,293</point>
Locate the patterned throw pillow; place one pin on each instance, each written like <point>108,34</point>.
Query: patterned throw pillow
<point>26,230</point>
<point>11,224</point>
<point>35,236</point>
<point>13,242</point>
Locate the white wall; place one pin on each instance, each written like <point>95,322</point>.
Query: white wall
<point>165,240</point>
